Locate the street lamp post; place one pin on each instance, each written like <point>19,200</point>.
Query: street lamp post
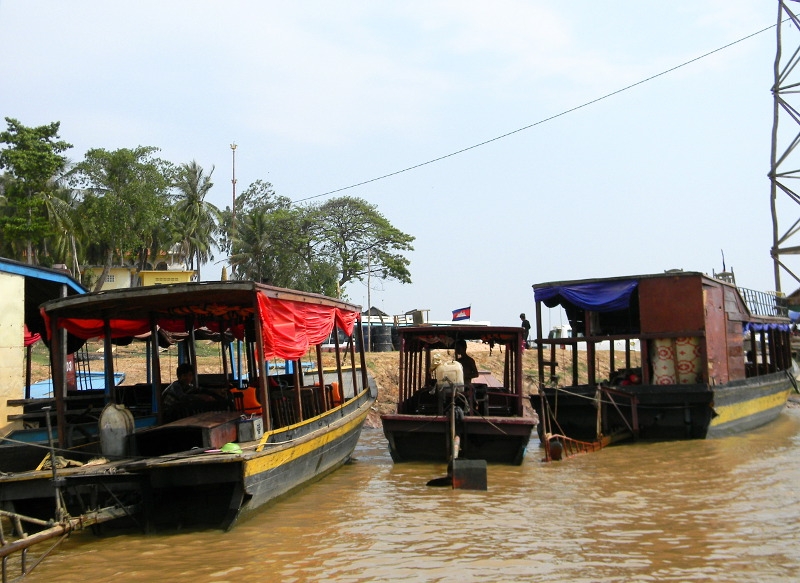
<point>233,184</point>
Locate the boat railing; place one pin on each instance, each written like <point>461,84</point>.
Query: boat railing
<point>761,303</point>
<point>652,358</point>
<point>585,360</point>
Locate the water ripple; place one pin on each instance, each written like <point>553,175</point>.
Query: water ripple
<point>718,510</point>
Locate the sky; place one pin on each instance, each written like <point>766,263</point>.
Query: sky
<point>589,180</point>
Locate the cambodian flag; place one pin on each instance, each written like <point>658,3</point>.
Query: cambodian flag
<point>461,313</point>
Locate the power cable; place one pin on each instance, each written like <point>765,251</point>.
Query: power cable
<point>540,122</point>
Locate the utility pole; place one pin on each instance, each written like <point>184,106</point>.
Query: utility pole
<point>369,304</point>
<point>233,184</point>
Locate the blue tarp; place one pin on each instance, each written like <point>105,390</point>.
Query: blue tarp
<point>606,296</point>
<point>757,327</point>
<point>85,380</point>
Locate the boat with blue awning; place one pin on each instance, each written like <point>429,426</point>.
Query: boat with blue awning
<point>699,358</point>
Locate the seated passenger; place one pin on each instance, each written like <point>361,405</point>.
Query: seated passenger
<point>182,395</point>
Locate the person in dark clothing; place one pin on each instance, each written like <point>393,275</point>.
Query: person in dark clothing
<point>526,327</point>
<point>183,395</point>
<point>467,362</point>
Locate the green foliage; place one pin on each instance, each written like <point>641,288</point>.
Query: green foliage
<point>33,164</point>
<point>199,220</point>
<point>33,157</point>
<point>258,197</point>
<point>361,241</point>
<point>274,247</point>
<point>315,248</point>
<point>125,199</point>
<point>135,206</point>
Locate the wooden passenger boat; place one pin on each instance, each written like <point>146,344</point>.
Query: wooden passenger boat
<point>220,460</point>
<point>491,422</point>
<point>699,358</point>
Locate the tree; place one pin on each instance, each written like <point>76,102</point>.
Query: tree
<point>33,162</point>
<point>314,248</point>
<point>199,218</point>
<point>258,197</point>
<point>250,257</point>
<point>61,209</point>
<point>125,201</point>
<point>275,243</point>
<point>356,238</point>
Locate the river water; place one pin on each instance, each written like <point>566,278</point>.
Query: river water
<point>717,510</point>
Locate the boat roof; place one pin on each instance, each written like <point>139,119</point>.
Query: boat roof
<point>613,293</point>
<point>291,320</point>
<point>445,336</point>
<point>675,273</point>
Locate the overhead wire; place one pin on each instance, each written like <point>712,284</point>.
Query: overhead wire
<point>541,121</point>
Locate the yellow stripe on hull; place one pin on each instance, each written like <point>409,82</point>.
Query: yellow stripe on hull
<point>749,408</point>
<point>272,459</point>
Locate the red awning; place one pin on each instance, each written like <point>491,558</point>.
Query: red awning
<point>289,326</point>
<point>31,338</point>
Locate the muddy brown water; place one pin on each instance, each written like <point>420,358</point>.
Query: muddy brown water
<point>717,510</point>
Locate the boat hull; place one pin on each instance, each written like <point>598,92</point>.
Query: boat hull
<point>745,405</point>
<point>671,412</point>
<point>199,488</point>
<point>425,438</point>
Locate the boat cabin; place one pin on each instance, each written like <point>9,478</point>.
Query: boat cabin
<point>685,328</point>
<point>424,350</point>
<point>249,325</point>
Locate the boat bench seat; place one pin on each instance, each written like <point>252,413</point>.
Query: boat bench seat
<point>41,415</point>
<point>36,415</point>
<point>500,403</point>
<point>424,403</point>
<point>78,405</point>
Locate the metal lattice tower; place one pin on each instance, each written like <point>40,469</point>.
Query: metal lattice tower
<point>785,140</point>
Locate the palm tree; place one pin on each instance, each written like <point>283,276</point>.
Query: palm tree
<point>250,258</point>
<point>60,204</point>
<point>200,218</point>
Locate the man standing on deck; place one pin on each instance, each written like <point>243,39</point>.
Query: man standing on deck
<point>526,328</point>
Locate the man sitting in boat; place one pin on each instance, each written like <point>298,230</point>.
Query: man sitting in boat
<point>183,398</point>
<point>467,362</point>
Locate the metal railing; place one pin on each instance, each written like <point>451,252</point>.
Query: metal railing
<point>765,303</point>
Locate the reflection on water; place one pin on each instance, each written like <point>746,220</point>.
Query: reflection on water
<point>718,510</point>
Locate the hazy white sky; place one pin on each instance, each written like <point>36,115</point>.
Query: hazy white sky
<point>323,95</point>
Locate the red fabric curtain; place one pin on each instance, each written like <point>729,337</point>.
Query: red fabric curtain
<point>30,338</point>
<point>290,327</point>
<point>93,328</point>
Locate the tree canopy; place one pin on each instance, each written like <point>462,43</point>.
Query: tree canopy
<point>360,241</point>
<point>124,200</point>
<point>33,164</point>
<point>131,207</point>
<point>197,219</point>
<point>315,248</point>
